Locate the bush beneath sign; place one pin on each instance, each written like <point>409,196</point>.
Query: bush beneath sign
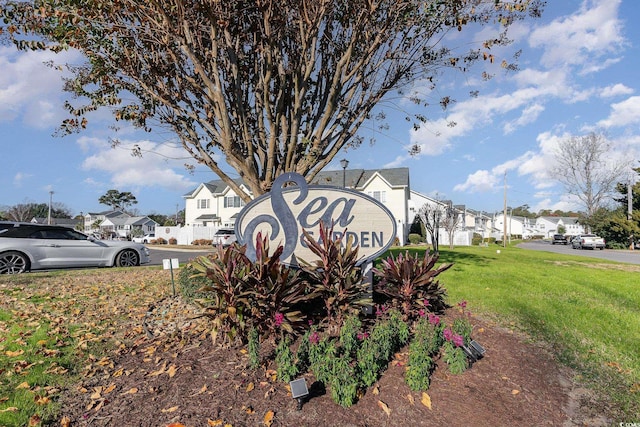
<point>311,320</point>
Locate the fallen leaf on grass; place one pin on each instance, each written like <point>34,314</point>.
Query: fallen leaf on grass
<point>384,407</point>
<point>14,353</point>
<point>172,409</point>
<point>34,420</point>
<point>202,390</point>
<point>268,418</point>
<point>426,400</point>
<point>9,409</point>
<point>160,371</point>
<point>41,400</point>
<point>172,371</point>
<point>97,393</point>
<point>23,385</point>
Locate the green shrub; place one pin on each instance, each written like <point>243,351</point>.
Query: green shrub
<point>254,348</point>
<point>414,239</point>
<point>424,346</point>
<point>476,239</point>
<point>286,366</point>
<point>190,284</point>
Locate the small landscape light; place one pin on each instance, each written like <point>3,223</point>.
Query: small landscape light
<point>299,390</point>
<point>474,351</point>
<point>477,349</point>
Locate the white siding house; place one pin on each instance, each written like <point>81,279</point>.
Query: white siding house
<point>214,204</point>
<point>549,225</point>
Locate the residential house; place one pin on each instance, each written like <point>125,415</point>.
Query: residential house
<point>118,224</point>
<point>92,220</point>
<point>124,227</point>
<point>461,235</point>
<point>214,204</point>
<point>549,225</point>
<point>519,227</point>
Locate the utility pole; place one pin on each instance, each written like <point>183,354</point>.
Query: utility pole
<point>504,222</point>
<point>630,210</point>
<point>50,200</point>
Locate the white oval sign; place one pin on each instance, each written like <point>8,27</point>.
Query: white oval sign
<point>292,206</point>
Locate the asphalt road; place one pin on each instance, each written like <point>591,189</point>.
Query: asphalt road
<point>630,257</point>
<point>183,255</point>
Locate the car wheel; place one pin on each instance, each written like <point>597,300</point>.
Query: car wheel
<point>127,258</point>
<point>13,263</point>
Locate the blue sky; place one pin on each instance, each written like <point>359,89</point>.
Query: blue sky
<point>579,72</point>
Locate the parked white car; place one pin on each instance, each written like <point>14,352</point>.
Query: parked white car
<point>147,238</point>
<point>224,237</point>
<point>25,247</point>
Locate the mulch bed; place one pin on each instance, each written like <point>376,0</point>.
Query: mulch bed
<point>169,371</point>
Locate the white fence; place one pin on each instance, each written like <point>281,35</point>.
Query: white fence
<point>187,234</point>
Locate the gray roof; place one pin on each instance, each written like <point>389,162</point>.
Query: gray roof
<point>208,216</point>
<point>134,220</point>
<point>215,186</point>
<point>354,178</point>
<point>357,178</point>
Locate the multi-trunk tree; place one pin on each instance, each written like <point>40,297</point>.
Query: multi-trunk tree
<point>587,171</point>
<point>264,86</point>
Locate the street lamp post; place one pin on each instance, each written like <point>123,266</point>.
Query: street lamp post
<point>344,163</point>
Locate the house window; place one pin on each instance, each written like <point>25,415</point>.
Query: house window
<point>203,203</point>
<point>380,196</point>
<point>233,202</point>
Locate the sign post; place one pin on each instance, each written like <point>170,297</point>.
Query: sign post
<point>170,264</point>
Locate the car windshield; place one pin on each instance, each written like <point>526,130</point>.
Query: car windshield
<point>224,232</point>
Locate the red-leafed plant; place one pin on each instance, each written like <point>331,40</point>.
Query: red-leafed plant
<point>411,283</point>
<point>335,277</point>
<point>275,293</point>
<point>226,299</point>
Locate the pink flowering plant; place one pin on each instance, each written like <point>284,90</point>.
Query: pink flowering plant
<point>424,346</point>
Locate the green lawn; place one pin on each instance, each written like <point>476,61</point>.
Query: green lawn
<point>586,309</point>
<point>53,325</point>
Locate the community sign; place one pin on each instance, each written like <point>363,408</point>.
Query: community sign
<point>293,206</point>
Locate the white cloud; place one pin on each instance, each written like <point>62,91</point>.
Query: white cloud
<point>29,90</point>
<point>20,177</point>
<point>154,169</point>
<point>623,113</point>
<point>481,181</point>
<point>581,39</point>
<point>529,115</point>
<point>615,90</point>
